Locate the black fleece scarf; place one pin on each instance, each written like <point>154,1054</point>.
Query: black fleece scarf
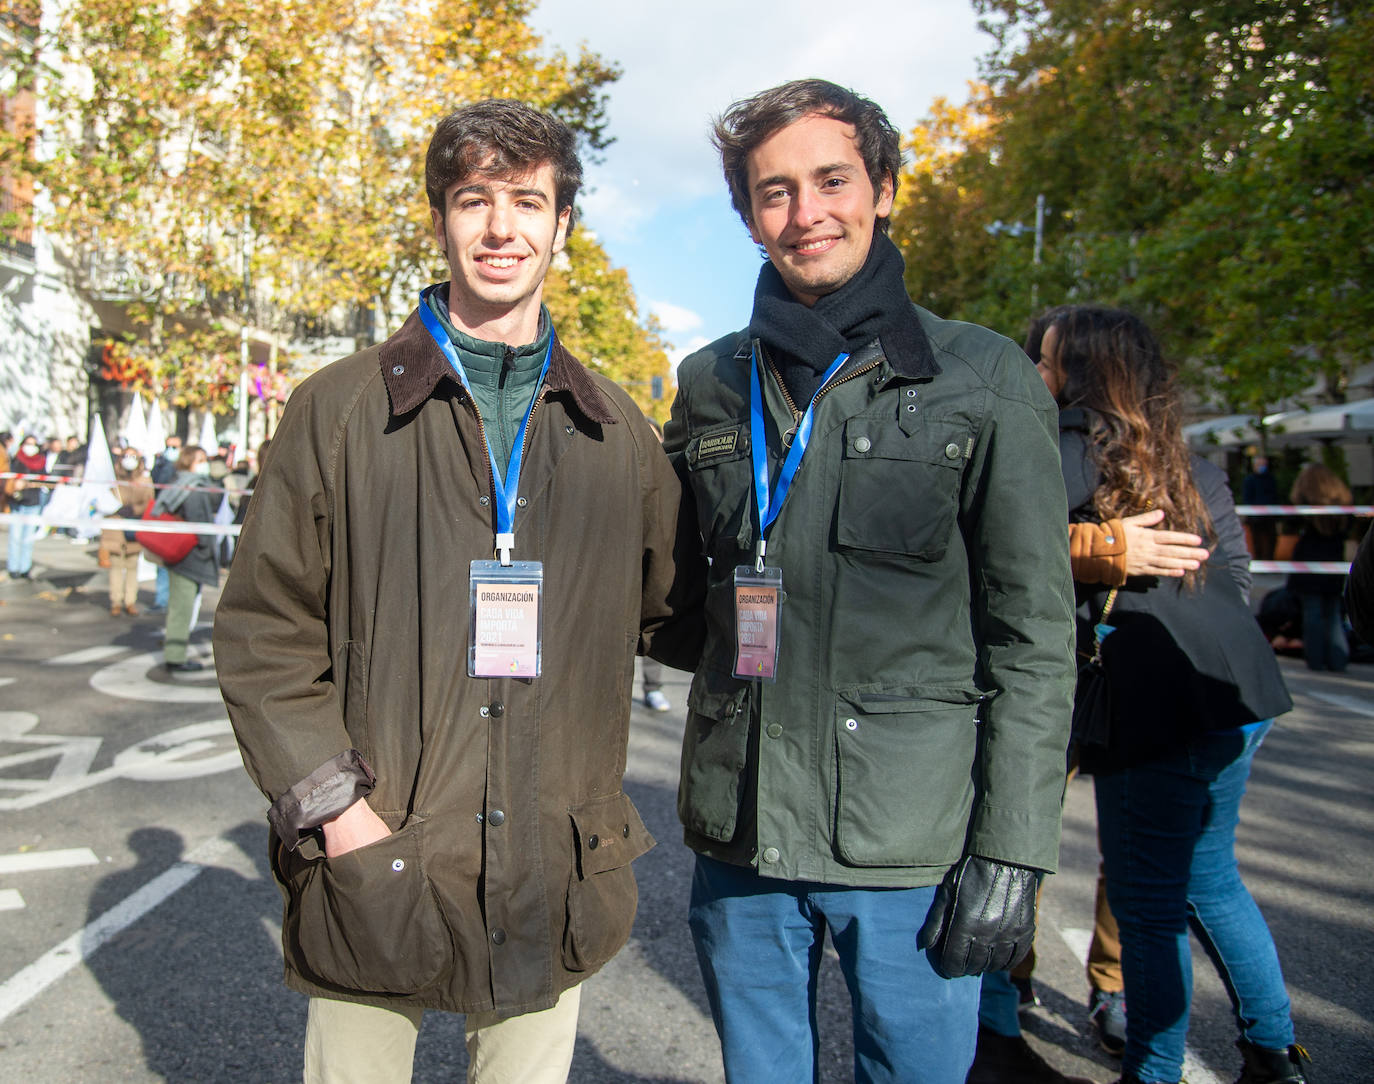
<point>872,305</point>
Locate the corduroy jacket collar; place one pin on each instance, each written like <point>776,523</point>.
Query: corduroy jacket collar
<point>413,365</point>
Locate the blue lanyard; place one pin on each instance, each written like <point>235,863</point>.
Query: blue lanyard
<point>770,505</point>
<point>507,487</point>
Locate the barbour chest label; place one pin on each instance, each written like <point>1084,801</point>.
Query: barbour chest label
<point>717,445</point>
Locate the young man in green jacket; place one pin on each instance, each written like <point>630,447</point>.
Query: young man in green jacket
<point>426,643</point>
<point>877,729</point>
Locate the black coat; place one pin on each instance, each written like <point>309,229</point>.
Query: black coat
<point>1180,660</point>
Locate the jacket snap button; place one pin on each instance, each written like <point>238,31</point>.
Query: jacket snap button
<point>911,408</point>
<point>862,444</point>
<point>484,500</point>
<point>569,430</point>
<point>484,711</point>
<point>398,864</point>
<point>951,451</point>
<point>911,393</point>
<point>496,817</point>
<point>626,831</point>
<point>593,843</point>
<point>498,936</point>
<point>498,709</point>
<point>522,501</point>
<point>775,730</point>
<point>851,724</point>
<point>771,855</point>
<point>398,370</point>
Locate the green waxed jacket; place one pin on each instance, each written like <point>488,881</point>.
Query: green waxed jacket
<point>925,679</point>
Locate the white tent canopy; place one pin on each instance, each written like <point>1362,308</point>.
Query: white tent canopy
<point>136,428</point>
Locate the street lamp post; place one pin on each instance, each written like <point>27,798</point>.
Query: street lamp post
<point>1016,229</point>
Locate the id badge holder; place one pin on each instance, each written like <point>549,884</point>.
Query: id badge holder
<point>758,597</point>
<point>505,634</point>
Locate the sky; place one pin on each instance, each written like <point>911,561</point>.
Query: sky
<point>658,202</point>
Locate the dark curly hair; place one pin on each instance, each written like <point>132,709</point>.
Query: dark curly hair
<point>499,138</point>
<point>747,123</point>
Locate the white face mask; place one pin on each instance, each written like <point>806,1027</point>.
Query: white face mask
<point>129,462</point>
<point>30,449</point>
<point>202,468</point>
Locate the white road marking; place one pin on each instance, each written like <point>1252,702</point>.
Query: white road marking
<point>31,861</point>
<point>89,654</point>
<point>185,752</point>
<point>10,900</point>
<point>128,679</point>
<point>23,986</point>
<point>7,681</point>
<point>1194,1072</point>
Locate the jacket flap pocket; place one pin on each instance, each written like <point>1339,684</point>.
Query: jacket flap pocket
<point>942,444</point>
<point>608,834</point>
<point>891,700</point>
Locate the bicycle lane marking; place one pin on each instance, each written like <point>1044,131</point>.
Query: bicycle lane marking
<point>72,952</point>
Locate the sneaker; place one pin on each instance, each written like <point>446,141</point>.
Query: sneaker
<point>189,666</point>
<point>1107,1011</point>
<point>1026,997</point>
<point>1003,1059</point>
<point>656,701</point>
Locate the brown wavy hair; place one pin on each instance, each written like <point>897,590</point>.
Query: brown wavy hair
<point>1112,366</point>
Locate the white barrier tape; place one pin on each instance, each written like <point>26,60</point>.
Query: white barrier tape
<point>1304,509</point>
<point>70,480</point>
<point>1339,568</point>
<point>153,526</point>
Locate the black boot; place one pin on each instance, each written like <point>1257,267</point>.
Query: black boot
<point>1272,1066</point>
<point>1007,1059</point>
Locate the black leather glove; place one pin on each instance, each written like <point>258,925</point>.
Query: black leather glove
<point>983,918</point>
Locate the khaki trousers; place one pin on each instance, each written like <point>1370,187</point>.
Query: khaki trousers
<point>348,1043</point>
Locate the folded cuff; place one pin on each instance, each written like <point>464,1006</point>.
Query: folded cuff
<point>321,796</point>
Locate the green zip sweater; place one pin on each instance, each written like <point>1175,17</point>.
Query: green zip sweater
<point>502,388</point>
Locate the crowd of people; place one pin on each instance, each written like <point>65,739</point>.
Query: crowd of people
<point>449,826</point>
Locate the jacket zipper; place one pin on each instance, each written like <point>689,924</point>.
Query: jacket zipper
<point>524,441</point>
<point>792,406</point>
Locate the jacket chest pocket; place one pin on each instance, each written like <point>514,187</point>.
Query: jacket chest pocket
<point>899,492</point>
<point>720,473</point>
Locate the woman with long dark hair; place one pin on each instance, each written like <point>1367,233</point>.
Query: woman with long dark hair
<point>1194,689</point>
<point>1324,646</point>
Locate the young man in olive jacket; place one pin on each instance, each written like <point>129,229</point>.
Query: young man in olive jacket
<point>426,643</point>
<point>877,729</point>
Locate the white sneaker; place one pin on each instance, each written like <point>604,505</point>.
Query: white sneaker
<point>657,701</point>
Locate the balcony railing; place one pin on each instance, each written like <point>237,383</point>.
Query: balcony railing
<point>16,224</point>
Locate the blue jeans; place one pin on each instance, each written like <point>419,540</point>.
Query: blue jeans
<point>999,1004</point>
<point>1323,636</point>
<point>163,588</point>
<point>22,538</point>
<point>1168,834</point>
<point>759,944</point>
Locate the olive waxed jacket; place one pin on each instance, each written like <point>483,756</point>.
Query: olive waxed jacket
<point>925,680</point>
<point>341,645</point>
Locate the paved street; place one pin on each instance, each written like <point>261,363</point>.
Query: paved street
<point>138,928</point>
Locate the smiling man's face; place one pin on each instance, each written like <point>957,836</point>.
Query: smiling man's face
<point>812,205</point>
<point>499,236</point>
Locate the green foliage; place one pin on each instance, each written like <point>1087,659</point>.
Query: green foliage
<point>207,142</point>
<point>1206,165</point>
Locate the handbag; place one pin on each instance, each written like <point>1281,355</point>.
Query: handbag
<point>171,548</point>
<point>1092,699</point>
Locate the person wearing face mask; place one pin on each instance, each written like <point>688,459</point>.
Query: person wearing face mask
<point>119,551</point>
<point>189,496</point>
<point>26,499</point>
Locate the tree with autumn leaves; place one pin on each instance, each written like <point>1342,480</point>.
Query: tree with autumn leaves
<point>1209,165</point>
<point>243,165</point>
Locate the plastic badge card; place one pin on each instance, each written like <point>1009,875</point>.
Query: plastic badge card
<point>757,598</point>
<point>506,633</point>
